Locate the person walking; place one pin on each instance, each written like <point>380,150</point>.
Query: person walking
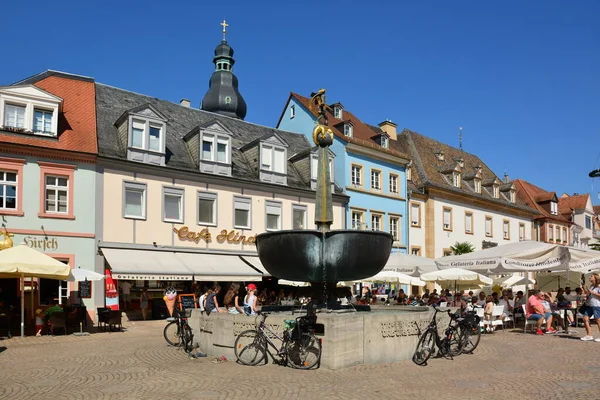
<point>591,307</point>
<point>144,298</point>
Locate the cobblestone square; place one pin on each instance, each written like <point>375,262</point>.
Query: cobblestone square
<point>138,364</point>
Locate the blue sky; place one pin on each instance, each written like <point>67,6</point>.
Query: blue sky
<point>521,77</point>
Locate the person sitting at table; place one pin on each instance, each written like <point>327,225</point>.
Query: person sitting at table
<point>231,300</point>
<point>562,302</point>
<point>482,299</point>
<point>551,307</point>
<point>536,312</point>
<point>508,303</point>
<point>459,302</point>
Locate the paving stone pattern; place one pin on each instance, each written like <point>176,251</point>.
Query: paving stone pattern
<point>138,364</point>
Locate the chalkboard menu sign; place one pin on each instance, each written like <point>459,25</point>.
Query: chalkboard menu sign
<point>187,301</point>
<point>85,289</point>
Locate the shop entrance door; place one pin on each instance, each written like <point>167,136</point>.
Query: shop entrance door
<point>51,289</point>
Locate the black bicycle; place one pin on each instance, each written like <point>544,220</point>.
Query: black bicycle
<point>299,348</point>
<point>177,332</point>
<point>450,345</point>
<point>469,331</point>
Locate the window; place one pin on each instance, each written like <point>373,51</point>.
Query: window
<point>173,205</point>
<point>42,121</point>
<point>394,224</point>
<point>273,211</point>
<point>314,166</point>
<point>207,208</point>
<point>409,174</point>
<point>506,229</point>
<point>57,194</point>
<point>215,148</point>
<point>564,235</point>
<point>146,135</point>
<point>488,226</point>
<point>14,116</point>
<point>357,219</point>
<point>375,179</point>
<point>477,185</point>
<point>456,179</point>
<point>447,219</point>
<point>469,222</point>
<point>557,234</point>
<point>272,159</point>
<point>242,209</point>
<point>292,111</point>
<point>384,141</point>
<point>513,196</point>
<point>550,232</point>
<point>521,231</point>
<point>56,188</point>
<point>348,130</point>
<point>299,217</point>
<point>393,183</point>
<point>415,215</point>
<point>415,251</point>
<point>496,191</point>
<point>375,222</point>
<point>588,222</point>
<point>8,190</point>
<point>135,200</point>
<point>553,208</point>
<point>337,112</point>
<point>356,177</point>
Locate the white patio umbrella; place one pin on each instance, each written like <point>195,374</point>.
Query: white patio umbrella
<point>395,277</point>
<point>409,264</point>
<point>22,261</point>
<point>80,274</point>
<point>458,276</point>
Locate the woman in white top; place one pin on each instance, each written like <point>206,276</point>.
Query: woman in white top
<point>591,307</point>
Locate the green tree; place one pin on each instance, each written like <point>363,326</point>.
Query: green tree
<point>462,248</point>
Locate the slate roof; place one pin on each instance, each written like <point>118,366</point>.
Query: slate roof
<point>529,193</point>
<point>112,102</point>
<point>566,204</point>
<point>362,133</point>
<point>428,170</point>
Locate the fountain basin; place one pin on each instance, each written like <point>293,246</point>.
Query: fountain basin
<point>332,256</point>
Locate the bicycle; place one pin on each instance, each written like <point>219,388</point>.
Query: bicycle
<point>177,332</point>
<point>449,346</point>
<point>469,331</point>
<point>299,346</point>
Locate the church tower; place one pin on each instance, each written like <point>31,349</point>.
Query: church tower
<point>223,96</point>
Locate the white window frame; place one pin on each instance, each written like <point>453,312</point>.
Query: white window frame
<point>245,204</point>
<point>135,187</point>
<point>513,196</point>
<point>477,185</point>
<point>553,208</point>
<point>506,229</point>
<point>44,113</point>
<point>447,222</point>
<point>314,166</point>
<point>489,233</point>
<point>588,219</point>
<point>56,188</point>
<point>273,208</point>
<point>375,180</point>
<point>337,112</point>
<point>469,222</point>
<point>356,175</point>
<point>456,179</point>
<point>415,208</point>
<point>3,192</point>
<point>496,191</point>
<point>14,110</point>
<point>215,139</point>
<point>304,210</point>
<point>376,220</point>
<point>173,192</point>
<point>292,111</point>
<point>270,158</point>
<point>557,233</point>
<point>30,102</point>
<point>348,130</point>
<point>385,141</point>
<point>394,180</point>
<point>147,124</point>
<point>212,197</point>
<point>395,227</point>
<point>521,231</point>
<point>357,223</point>
<point>564,234</point>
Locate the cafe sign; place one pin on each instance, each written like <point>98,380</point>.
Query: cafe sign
<point>231,237</point>
<point>43,244</point>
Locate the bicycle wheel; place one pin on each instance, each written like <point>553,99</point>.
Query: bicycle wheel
<point>187,338</point>
<point>472,338</point>
<point>425,348</point>
<point>455,339</point>
<point>304,352</point>
<point>171,333</point>
<point>249,347</point>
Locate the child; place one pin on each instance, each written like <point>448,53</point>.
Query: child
<point>39,322</point>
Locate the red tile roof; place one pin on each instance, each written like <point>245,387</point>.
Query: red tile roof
<point>531,195</point>
<point>77,122</point>
<point>597,210</point>
<point>566,204</point>
<point>362,133</point>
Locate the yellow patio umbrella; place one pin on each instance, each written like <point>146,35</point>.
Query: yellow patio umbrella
<point>22,261</point>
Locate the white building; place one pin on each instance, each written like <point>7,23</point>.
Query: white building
<point>579,210</point>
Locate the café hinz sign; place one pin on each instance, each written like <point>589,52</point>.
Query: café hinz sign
<point>232,237</point>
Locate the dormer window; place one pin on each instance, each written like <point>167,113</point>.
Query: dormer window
<point>314,167</point>
<point>513,196</point>
<point>496,191</point>
<point>142,130</point>
<point>477,185</point>
<point>384,141</point>
<point>554,208</point>
<point>215,148</point>
<point>348,130</point>
<point>337,112</point>
<point>292,111</point>
<point>272,159</point>
<point>28,109</point>
<point>456,179</point>
<point>146,135</point>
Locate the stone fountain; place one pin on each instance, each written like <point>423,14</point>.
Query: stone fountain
<point>323,257</point>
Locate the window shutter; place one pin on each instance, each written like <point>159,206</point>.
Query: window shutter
<point>265,157</point>
<point>415,213</point>
<point>446,217</point>
<point>279,160</point>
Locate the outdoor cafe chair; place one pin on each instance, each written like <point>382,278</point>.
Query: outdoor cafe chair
<point>529,321</point>
<point>495,320</point>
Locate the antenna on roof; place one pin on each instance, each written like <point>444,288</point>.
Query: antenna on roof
<point>460,138</point>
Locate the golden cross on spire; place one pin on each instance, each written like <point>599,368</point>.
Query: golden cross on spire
<point>224,24</point>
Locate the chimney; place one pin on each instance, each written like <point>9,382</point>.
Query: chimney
<point>390,128</point>
<point>185,103</point>
<point>506,178</point>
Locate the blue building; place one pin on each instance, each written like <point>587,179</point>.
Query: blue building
<point>365,167</point>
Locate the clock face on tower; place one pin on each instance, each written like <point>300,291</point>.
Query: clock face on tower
<point>227,100</point>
